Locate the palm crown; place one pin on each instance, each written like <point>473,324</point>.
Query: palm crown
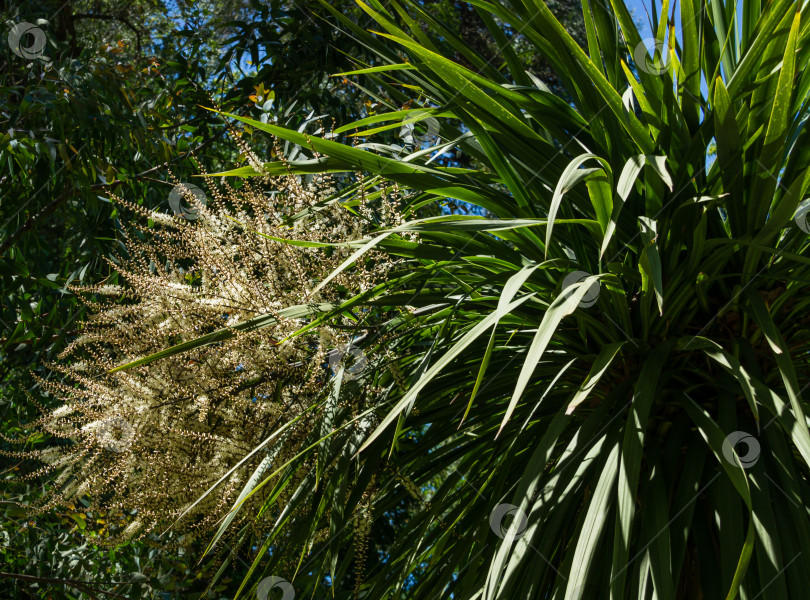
<point>595,388</point>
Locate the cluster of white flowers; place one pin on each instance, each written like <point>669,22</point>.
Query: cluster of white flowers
<point>149,441</point>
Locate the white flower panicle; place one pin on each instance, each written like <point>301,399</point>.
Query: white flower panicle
<point>149,441</point>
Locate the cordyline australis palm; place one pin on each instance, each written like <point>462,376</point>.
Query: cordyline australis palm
<point>606,429</point>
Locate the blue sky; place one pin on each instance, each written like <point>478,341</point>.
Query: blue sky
<point>637,10</point>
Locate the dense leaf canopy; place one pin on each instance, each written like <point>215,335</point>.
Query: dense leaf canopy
<point>584,375</point>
